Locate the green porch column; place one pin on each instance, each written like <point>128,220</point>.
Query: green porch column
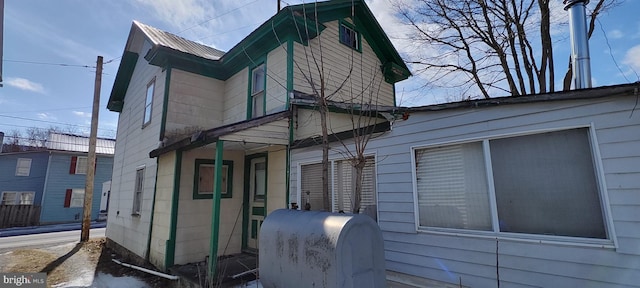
<point>215,215</point>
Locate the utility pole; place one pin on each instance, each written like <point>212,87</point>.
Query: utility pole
<point>91,161</point>
<point>278,6</point>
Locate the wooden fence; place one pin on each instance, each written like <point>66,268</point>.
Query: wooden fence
<point>19,215</point>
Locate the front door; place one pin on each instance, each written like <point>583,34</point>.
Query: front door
<point>257,198</point>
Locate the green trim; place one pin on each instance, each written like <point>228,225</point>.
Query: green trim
<point>153,208</point>
<point>395,103</point>
<point>289,72</point>
<point>258,211</point>
<point>196,178</point>
<point>165,104</point>
<point>258,62</point>
<point>173,226</point>
<point>285,24</point>
<point>245,201</point>
<point>343,22</point>
<point>215,217</point>
<point>121,83</point>
<point>254,229</point>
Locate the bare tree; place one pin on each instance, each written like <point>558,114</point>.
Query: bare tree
<point>490,45</point>
<point>357,92</point>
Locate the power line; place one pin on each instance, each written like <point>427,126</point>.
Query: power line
<point>217,16</point>
<point>45,121</point>
<point>50,64</point>
<point>48,110</point>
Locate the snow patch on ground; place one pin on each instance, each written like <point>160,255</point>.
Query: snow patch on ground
<point>253,284</point>
<point>103,280</point>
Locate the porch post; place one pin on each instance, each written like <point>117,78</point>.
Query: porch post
<point>215,215</point>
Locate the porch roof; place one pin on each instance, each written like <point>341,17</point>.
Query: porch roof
<point>269,129</point>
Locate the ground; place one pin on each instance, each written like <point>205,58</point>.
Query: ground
<point>78,265</point>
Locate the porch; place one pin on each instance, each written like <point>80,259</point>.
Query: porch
<point>208,209</point>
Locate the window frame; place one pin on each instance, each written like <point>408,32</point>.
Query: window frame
<point>28,173</point>
<point>82,171</point>
<point>609,242</point>
<point>74,193</point>
<point>332,173</point>
<point>148,103</point>
<point>136,209</point>
<point>209,195</point>
<point>349,26</point>
<point>251,94</point>
<point>17,197</point>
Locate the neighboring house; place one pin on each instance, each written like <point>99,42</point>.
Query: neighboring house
<point>53,180</point>
<point>184,105</point>
<point>524,191</point>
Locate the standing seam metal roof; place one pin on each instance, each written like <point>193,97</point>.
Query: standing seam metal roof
<point>175,42</point>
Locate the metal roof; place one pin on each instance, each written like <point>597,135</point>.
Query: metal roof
<point>75,143</point>
<point>175,42</point>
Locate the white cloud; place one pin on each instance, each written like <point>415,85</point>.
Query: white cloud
<point>25,84</point>
<point>82,114</point>
<point>46,116</point>
<point>615,34</point>
<point>632,58</point>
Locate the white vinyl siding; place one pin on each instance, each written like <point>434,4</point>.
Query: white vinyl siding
<point>23,167</point>
<point>361,70</point>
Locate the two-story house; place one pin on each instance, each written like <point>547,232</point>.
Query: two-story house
<point>183,106</point>
<point>52,180</point>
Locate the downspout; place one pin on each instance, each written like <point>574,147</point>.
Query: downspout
<point>170,251</point>
<point>215,215</point>
<point>288,107</point>
<point>153,209</point>
<point>579,43</point>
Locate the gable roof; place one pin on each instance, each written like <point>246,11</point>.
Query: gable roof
<point>165,39</point>
<point>296,23</point>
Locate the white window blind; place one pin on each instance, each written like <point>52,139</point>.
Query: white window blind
<point>345,184</point>
<point>452,187</point>
<point>311,186</point>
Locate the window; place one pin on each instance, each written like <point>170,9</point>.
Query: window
<point>544,184</point>
<point>17,198</point>
<point>349,36</point>
<point>78,165</point>
<point>23,167</point>
<point>341,186</point>
<point>204,180</point>
<point>344,185</point>
<point>148,103</point>
<point>258,81</point>
<point>137,193</point>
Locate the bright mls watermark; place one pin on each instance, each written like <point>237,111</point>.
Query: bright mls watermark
<point>28,280</point>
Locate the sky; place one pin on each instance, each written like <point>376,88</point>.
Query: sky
<point>50,51</point>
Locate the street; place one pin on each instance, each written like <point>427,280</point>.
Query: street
<point>11,243</point>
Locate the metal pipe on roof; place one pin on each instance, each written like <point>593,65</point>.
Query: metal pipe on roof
<point>581,62</point>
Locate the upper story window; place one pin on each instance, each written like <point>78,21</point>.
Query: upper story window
<point>349,36</point>
<point>148,103</point>
<point>23,167</point>
<point>258,83</point>
<point>78,165</point>
<point>540,184</point>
